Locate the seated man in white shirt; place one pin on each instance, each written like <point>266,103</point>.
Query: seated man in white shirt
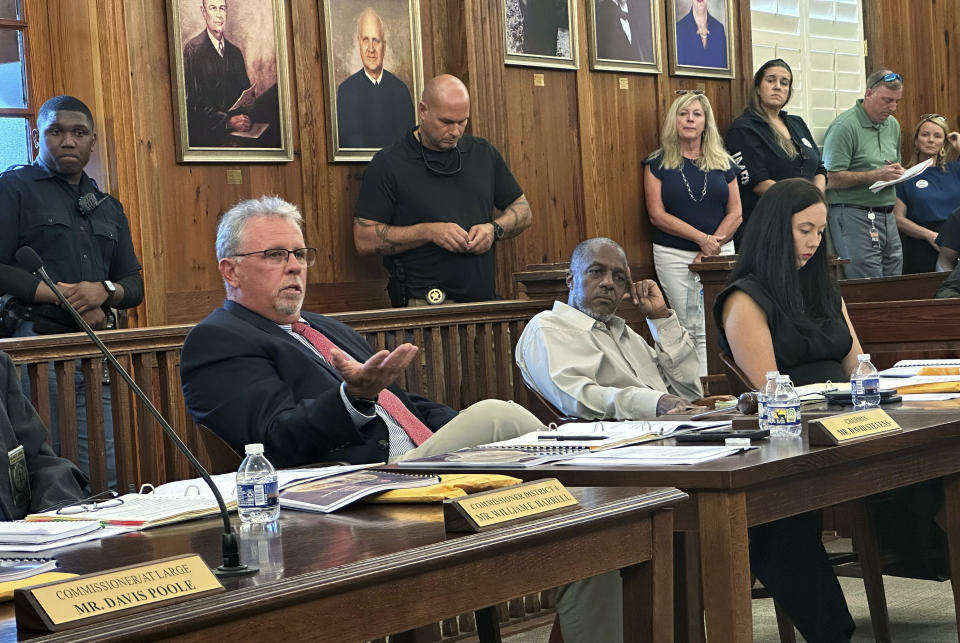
<point>589,364</point>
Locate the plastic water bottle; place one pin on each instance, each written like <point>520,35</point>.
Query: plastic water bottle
<point>765,394</point>
<point>865,384</point>
<point>783,410</point>
<point>258,497</point>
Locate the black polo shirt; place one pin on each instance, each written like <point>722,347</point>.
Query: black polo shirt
<point>752,143</point>
<point>38,208</point>
<point>399,190</point>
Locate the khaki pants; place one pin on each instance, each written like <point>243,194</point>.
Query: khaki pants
<point>590,610</point>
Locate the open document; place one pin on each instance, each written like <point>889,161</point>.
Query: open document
<point>908,174</point>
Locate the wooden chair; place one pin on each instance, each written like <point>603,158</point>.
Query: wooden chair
<point>737,380</point>
<point>544,410</point>
<point>223,459</point>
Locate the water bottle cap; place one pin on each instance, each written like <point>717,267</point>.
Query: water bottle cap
<point>253,449</point>
<point>783,378</point>
<point>865,357</point>
<point>771,374</point>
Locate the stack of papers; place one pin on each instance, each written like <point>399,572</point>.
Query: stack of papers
<point>32,533</point>
<point>330,494</point>
<point>908,174</point>
<point>653,456</point>
<point>20,568</point>
<point>602,435</point>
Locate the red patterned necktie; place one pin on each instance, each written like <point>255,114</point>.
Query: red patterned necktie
<point>413,427</point>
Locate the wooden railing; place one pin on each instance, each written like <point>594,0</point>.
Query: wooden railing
<point>466,356</point>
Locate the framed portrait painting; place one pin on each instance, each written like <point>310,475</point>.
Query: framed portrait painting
<point>231,94</point>
<point>540,33</point>
<point>624,35</point>
<point>373,74</point>
<point>701,38</point>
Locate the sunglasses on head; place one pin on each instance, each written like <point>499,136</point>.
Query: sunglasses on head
<point>933,117</point>
<point>696,92</point>
<point>887,78</point>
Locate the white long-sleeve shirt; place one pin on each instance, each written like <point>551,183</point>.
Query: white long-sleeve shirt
<point>593,370</point>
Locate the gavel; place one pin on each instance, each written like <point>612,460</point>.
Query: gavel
<point>746,405</point>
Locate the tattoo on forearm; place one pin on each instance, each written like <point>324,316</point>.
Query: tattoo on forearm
<point>519,208</point>
<point>382,230</point>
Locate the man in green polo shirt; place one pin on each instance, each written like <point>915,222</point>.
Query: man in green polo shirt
<point>862,146</point>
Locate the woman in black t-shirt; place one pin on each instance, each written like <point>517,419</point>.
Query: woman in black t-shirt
<point>769,144</point>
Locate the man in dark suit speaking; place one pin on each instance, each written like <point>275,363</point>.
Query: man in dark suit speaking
<point>624,30</point>
<point>306,386</point>
<point>374,107</point>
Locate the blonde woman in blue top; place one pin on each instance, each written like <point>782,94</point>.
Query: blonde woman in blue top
<point>924,202</point>
<point>690,186</point>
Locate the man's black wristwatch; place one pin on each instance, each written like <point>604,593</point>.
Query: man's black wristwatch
<point>362,404</point>
<point>497,231</point>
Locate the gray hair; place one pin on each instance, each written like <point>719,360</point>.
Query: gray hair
<point>876,78</point>
<point>586,249</point>
<point>233,222</point>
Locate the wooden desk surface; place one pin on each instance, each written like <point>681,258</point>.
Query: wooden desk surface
<point>775,459</point>
<point>371,570</point>
<point>785,477</point>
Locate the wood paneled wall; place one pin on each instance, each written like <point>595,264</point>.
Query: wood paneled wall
<point>575,144</point>
<point>918,40</point>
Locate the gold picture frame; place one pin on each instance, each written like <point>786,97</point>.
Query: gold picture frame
<point>695,54</point>
<point>249,59</point>
<point>527,34</point>
<point>612,49</point>
<point>360,122</point>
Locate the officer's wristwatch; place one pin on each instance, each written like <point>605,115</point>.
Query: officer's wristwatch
<point>497,231</point>
<point>110,288</point>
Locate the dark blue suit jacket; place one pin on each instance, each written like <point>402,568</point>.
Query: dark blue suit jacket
<point>250,381</point>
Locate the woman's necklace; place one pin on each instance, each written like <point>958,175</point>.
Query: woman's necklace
<point>703,193</point>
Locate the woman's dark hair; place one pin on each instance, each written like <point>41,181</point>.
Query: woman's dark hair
<point>768,254</point>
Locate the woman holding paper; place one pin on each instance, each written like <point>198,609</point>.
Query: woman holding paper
<point>925,201</point>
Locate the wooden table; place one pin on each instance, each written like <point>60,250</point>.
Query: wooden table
<point>368,571</point>
<point>782,478</point>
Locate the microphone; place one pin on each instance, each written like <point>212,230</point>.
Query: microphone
<point>30,260</point>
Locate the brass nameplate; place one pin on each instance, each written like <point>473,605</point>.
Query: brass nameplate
<point>846,427</point>
<point>90,598</point>
<point>623,82</point>
<point>480,511</point>
<point>538,80</point>
<point>234,177</point>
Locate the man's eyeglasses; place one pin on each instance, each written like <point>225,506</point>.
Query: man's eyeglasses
<point>280,256</point>
<point>103,500</point>
<point>696,92</point>
<point>887,78</point>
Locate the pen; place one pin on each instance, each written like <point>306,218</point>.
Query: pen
<point>572,437</point>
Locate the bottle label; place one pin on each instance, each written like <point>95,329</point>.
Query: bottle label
<point>260,495</point>
<point>870,386</point>
<point>783,415</point>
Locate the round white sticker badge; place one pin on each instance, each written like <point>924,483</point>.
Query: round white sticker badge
<point>806,142</point>
<point>922,183</point>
